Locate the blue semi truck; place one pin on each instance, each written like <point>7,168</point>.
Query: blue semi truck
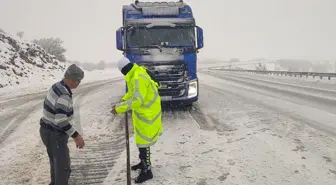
<point>164,38</point>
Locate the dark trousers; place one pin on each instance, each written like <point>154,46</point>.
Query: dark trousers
<point>59,158</point>
<point>144,155</point>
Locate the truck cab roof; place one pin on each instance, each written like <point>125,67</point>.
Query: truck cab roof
<point>143,10</point>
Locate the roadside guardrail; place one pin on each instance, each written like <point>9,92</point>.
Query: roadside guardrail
<point>281,73</point>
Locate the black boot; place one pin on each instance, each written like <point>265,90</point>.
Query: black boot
<point>145,166</point>
<point>144,175</point>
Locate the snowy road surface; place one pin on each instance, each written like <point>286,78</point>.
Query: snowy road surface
<point>245,129</point>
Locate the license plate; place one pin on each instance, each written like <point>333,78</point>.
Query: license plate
<point>166,98</point>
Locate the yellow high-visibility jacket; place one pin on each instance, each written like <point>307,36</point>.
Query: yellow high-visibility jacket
<point>145,102</point>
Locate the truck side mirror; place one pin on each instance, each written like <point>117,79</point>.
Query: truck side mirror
<point>200,43</point>
<point>119,39</point>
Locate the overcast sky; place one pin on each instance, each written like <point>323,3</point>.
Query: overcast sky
<point>244,29</point>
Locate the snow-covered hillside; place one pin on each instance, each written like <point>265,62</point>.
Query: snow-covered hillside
<point>27,68</point>
<point>23,62</point>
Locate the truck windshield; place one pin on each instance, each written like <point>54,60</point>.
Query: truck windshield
<point>177,37</point>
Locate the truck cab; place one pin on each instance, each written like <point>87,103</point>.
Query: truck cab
<point>164,38</point>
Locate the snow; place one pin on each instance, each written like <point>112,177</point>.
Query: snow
<point>167,54</point>
<point>272,66</point>
<point>33,73</point>
<point>249,135</point>
<point>297,110</point>
<point>324,82</point>
<point>167,20</point>
<point>23,159</point>
<point>315,92</point>
<point>245,143</point>
<point>151,11</point>
<point>160,4</point>
<point>181,156</point>
<point>160,24</point>
<point>22,148</point>
<point>22,62</point>
<point>42,80</point>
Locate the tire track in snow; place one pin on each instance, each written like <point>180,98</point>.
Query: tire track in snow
<point>308,119</point>
<point>205,122</point>
<point>328,92</point>
<point>22,113</point>
<point>26,98</point>
<point>29,154</point>
<point>83,93</point>
<point>95,161</point>
<point>16,120</point>
<point>92,164</point>
<point>270,123</point>
<point>289,95</point>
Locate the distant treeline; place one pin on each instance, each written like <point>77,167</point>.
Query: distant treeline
<point>93,66</point>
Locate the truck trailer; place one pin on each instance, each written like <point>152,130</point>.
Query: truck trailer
<point>164,38</point>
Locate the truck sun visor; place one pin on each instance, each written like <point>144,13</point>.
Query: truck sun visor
<point>149,11</point>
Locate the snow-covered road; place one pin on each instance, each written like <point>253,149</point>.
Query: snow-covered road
<point>245,129</point>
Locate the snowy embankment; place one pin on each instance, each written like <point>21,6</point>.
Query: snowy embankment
<point>26,68</point>
<point>23,62</point>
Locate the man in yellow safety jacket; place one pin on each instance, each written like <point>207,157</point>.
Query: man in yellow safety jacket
<point>144,101</point>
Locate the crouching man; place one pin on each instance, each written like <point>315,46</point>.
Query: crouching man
<point>144,101</point>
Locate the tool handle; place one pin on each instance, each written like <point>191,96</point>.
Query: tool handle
<point>128,151</point>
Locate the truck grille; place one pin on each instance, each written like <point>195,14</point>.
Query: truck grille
<point>172,75</point>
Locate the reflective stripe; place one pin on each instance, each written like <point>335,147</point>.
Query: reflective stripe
<point>154,90</point>
<point>136,95</point>
<point>128,103</point>
<point>154,99</point>
<point>137,92</point>
<point>145,137</point>
<point>146,120</point>
<point>145,77</point>
<point>145,145</point>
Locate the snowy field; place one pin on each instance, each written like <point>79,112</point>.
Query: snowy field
<point>245,129</point>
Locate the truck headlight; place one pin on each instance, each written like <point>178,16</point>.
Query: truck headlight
<point>192,91</point>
